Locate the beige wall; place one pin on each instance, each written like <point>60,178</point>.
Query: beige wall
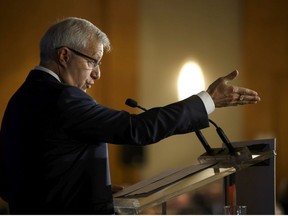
<point>265,55</point>
<point>173,31</point>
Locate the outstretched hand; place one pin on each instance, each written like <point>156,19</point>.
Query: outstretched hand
<point>225,95</point>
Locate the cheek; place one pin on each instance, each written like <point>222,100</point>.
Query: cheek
<point>84,76</point>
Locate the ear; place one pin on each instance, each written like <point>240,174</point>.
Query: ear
<point>63,55</point>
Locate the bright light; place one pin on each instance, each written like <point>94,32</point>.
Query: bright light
<point>190,80</point>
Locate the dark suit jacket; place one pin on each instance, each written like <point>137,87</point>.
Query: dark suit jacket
<point>53,145</point>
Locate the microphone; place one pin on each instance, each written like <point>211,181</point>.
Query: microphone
<point>132,103</point>
<point>223,137</point>
<point>204,142</point>
<point>226,157</point>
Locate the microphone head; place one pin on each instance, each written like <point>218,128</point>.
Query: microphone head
<point>130,102</point>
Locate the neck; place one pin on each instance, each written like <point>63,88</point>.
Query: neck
<point>52,67</point>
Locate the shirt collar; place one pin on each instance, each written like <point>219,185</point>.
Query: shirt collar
<point>48,71</point>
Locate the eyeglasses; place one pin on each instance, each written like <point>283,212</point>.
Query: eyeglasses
<point>92,63</point>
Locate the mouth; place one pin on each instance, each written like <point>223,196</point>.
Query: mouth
<point>89,85</point>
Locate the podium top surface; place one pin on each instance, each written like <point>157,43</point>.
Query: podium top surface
<point>174,182</point>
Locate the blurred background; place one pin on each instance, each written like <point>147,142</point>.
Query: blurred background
<point>156,44</point>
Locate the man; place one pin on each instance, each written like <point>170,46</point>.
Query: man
<point>53,137</point>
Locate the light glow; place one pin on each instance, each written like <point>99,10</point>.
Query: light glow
<point>190,80</point>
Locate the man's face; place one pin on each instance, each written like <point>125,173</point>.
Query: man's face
<point>82,67</point>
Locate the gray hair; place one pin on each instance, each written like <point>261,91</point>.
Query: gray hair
<point>72,32</point>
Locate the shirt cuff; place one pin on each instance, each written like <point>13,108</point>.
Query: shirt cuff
<point>208,102</point>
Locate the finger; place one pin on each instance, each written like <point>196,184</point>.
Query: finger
<point>246,91</point>
<point>247,99</point>
<point>236,99</point>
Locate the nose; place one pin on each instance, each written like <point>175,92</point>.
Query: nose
<point>96,73</point>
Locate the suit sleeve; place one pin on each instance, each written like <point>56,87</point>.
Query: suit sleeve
<point>85,119</point>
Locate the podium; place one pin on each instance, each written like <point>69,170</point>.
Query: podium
<point>157,190</point>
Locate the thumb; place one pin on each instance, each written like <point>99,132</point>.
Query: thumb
<point>231,76</point>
